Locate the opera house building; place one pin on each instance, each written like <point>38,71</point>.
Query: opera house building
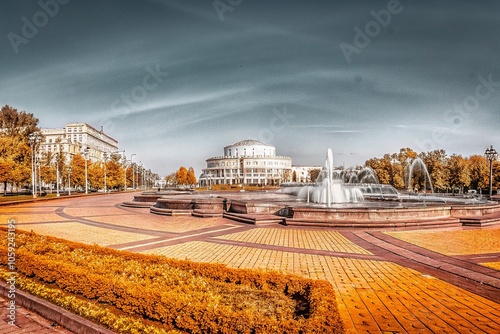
<point>248,162</point>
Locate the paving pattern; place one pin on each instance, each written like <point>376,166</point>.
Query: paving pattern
<point>26,322</point>
<point>424,281</point>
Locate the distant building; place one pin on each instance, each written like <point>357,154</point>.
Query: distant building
<point>302,173</point>
<point>247,162</point>
<point>74,138</point>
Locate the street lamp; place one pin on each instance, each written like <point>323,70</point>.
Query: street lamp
<point>105,157</point>
<point>86,155</point>
<point>34,139</point>
<point>133,170</point>
<point>69,180</point>
<point>125,173</point>
<point>57,174</point>
<point>491,154</point>
<point>140,173</point>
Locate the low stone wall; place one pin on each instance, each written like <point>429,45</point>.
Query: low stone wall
<point>250,207</point>
<point>378,214</point>
<point>474,210</point>
<point>146,198</point>
<point>196,205</point>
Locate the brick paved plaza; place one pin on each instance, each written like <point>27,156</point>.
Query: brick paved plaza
<point>423,281</point>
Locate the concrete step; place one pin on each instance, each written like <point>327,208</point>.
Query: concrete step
<point>254,219</point>
<point>449,222</point>
<point>485,220</point>
<point>207,213</point>
<point>170,212</point>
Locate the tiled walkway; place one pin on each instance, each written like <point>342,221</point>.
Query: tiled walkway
<point>432,281</point>
<point>25,322</point>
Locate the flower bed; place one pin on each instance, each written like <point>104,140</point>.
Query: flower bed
<point>173,294</point>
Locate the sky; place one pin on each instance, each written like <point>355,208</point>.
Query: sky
<point>174,81</point>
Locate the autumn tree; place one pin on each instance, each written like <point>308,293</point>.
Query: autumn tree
<point>171,179</point>
<point>182,176</point>
<point>114,175</point>
<point>437,167</point>
<point>77,165</point>
<point>479,172</point>
<point>314,173</point>
<point>15,151</point>
<point>459,175</point>
<point>95,175</point>
<point>191,177</point>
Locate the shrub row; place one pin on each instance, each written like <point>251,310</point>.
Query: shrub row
<point>194,297</point>
<point>105,315</point>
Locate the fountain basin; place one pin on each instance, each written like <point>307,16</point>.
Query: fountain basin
<point>252,207</point>
<point>142,201</point>
<point>189,205</point>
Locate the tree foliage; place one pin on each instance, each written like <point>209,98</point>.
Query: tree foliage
<point>446,172</point>
<point>191,177</point>
<point>314,173</point>
<point>15,151</point>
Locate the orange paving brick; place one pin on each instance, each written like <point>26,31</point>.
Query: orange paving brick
<point>456,241</point>
<point>308,239</point>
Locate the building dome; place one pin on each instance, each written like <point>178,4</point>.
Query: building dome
<point>249,142</point>
<point>249,147</point>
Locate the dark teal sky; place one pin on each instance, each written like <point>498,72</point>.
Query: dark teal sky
<point>174,84</point>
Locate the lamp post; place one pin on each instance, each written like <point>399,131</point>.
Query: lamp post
<point>491,154</point>
<point>125,167</point>
<point>138,170</point>
<point>57,174</point>
<point>86,155</point>
<point>133,170</point>
<point>39,165</point>
<point>34,139</point>
<point>140,174</point>
<point>69,180</point>
<point>105,158</point>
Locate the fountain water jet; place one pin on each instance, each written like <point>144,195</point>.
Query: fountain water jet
<point>419,165</point>
<point>329,188</point>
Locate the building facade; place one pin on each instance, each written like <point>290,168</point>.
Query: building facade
<point>302,173</point>
<point>74,138</point>
<point>247,162</point>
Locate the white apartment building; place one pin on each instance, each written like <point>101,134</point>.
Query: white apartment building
<point>74,138</point>
<point>247,162</point>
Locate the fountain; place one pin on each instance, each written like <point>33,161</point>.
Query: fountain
<point>348,199</point>
<point>348,186</point>
<point>418,164</point>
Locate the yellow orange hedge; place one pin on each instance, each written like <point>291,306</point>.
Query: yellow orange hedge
<point>182,295</point>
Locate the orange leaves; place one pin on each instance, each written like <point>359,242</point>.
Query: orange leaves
<point>192,297</point>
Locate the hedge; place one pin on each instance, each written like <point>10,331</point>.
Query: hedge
<point>177,294</point>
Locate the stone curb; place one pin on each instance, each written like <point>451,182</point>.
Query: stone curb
<point>52,312</point>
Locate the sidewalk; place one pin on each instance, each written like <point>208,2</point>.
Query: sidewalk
<point>26,322</point>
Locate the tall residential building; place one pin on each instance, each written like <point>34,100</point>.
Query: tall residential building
<point>74,138</point>
<point>247,162</point>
